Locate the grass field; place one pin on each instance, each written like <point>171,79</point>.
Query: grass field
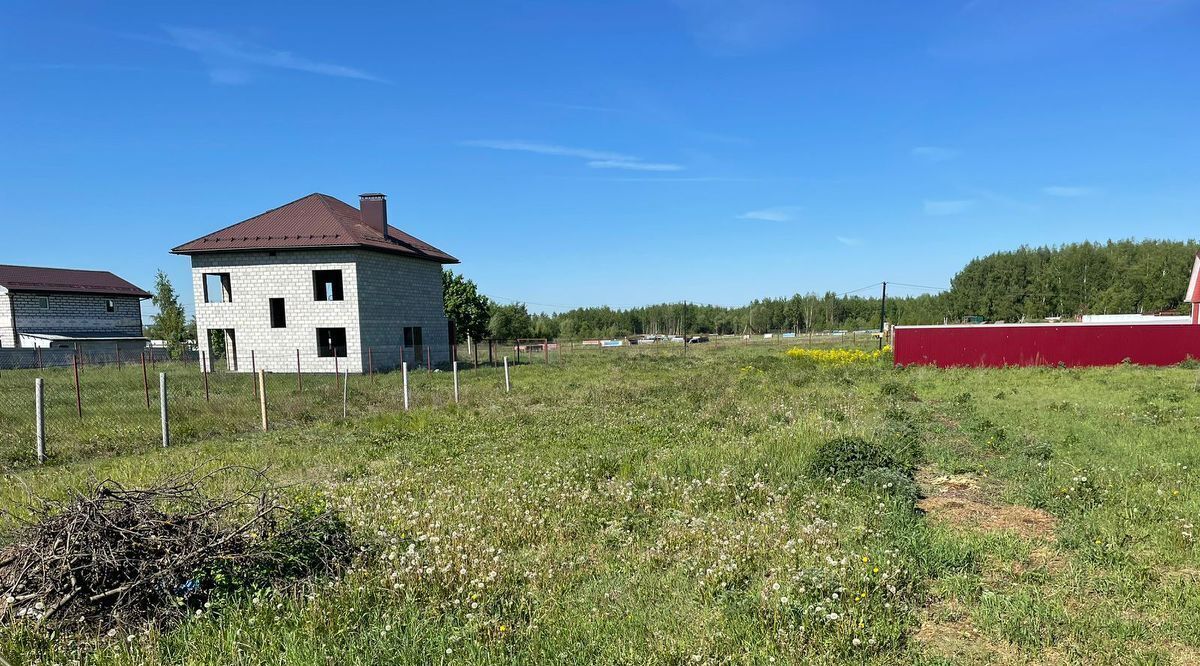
<point>655,508</point>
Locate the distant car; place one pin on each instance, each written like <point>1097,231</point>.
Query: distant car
<point>697,338</point>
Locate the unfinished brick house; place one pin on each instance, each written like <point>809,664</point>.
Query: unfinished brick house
<point>69,308</point>
<point>319,284</point>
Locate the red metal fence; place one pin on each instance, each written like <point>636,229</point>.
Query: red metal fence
<point>997,345</point>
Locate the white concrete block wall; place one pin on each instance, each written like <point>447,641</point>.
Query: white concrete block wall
<point>257,277</point>
<point>382,294</point>
<point>394,292</point>
<point>68,314</point>
<point>8,335</point>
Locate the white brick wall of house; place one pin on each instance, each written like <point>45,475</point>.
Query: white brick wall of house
<point>382,294</point>
<point>8,331</point>
<point>84,315</point>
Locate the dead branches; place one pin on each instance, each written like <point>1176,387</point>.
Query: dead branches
<point>110,555</point>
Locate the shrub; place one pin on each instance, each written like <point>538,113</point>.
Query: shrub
<point>865,462</point>
<point>898,391</point>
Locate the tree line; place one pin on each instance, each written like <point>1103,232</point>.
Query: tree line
<point>1026,284</point>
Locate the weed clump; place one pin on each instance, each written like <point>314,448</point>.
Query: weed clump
<point>897,390</point>
<point>865,462</point>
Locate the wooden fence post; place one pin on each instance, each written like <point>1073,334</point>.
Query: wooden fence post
<point>262,397</point>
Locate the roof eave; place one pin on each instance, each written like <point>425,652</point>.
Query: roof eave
<point>182,250</point>
<point>92,292</point>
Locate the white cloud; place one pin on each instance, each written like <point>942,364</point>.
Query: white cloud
<point>948,207</point>
<point>736,27</point>
<point>548,149</point>
<point>633,165</point>
<point>231,60</point>
<point>596,159</point>
<point>1068,191</point>
<point>775,214</point>
<point>851,242</point>
<point>934,153</point>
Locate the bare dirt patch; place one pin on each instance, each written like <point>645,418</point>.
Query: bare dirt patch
<point>961,500</point>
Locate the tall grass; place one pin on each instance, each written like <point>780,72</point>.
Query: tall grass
<point>657,508</point>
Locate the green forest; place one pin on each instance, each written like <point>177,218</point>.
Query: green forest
<point>1026,284</point>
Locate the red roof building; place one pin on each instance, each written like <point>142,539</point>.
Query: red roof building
<point>67,307</point>
<point>66,280</point>
<point>314,222</point>
<point>317,285</point>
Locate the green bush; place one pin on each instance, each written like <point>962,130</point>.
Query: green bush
<point>865,462</point>
<point>898,391</point>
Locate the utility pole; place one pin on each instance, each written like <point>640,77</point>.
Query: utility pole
<point>882,314</point>
<point>684,326</point>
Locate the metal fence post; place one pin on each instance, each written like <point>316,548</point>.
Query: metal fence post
<point>262,397</point>
<point>78,394</point>
<point>39,405</point>
<point>299,380</point>
<point>205,362</point>
<point>454,366</point>
<point>507,385</point>
<point>345,393</point>
<point>162,408</point>
<point>404,372</point>
<point>145,381</point>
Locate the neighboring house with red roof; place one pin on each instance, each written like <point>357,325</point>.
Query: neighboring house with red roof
<point>319,283</point>
<point>66,307</point>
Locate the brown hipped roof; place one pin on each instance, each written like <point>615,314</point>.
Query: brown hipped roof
<point>69,280</point>
<point>315,221</point>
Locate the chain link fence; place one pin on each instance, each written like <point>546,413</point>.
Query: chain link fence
<point>100,405</point>
<point>97,404</point>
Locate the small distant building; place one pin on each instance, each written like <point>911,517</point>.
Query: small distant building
<point>319,283</point>
<point>65,307</point>
<point>1134,319</point>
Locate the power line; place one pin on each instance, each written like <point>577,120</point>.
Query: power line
<point>870,286</point>
<point>919,286</point>
<point>515,300</point>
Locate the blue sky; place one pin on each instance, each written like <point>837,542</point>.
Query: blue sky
<point>620,153</point>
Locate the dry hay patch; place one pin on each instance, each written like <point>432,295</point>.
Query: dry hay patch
<point>961,501</point>
<point>947,631</point>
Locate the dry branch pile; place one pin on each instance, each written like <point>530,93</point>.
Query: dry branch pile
<point>110,556</point>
